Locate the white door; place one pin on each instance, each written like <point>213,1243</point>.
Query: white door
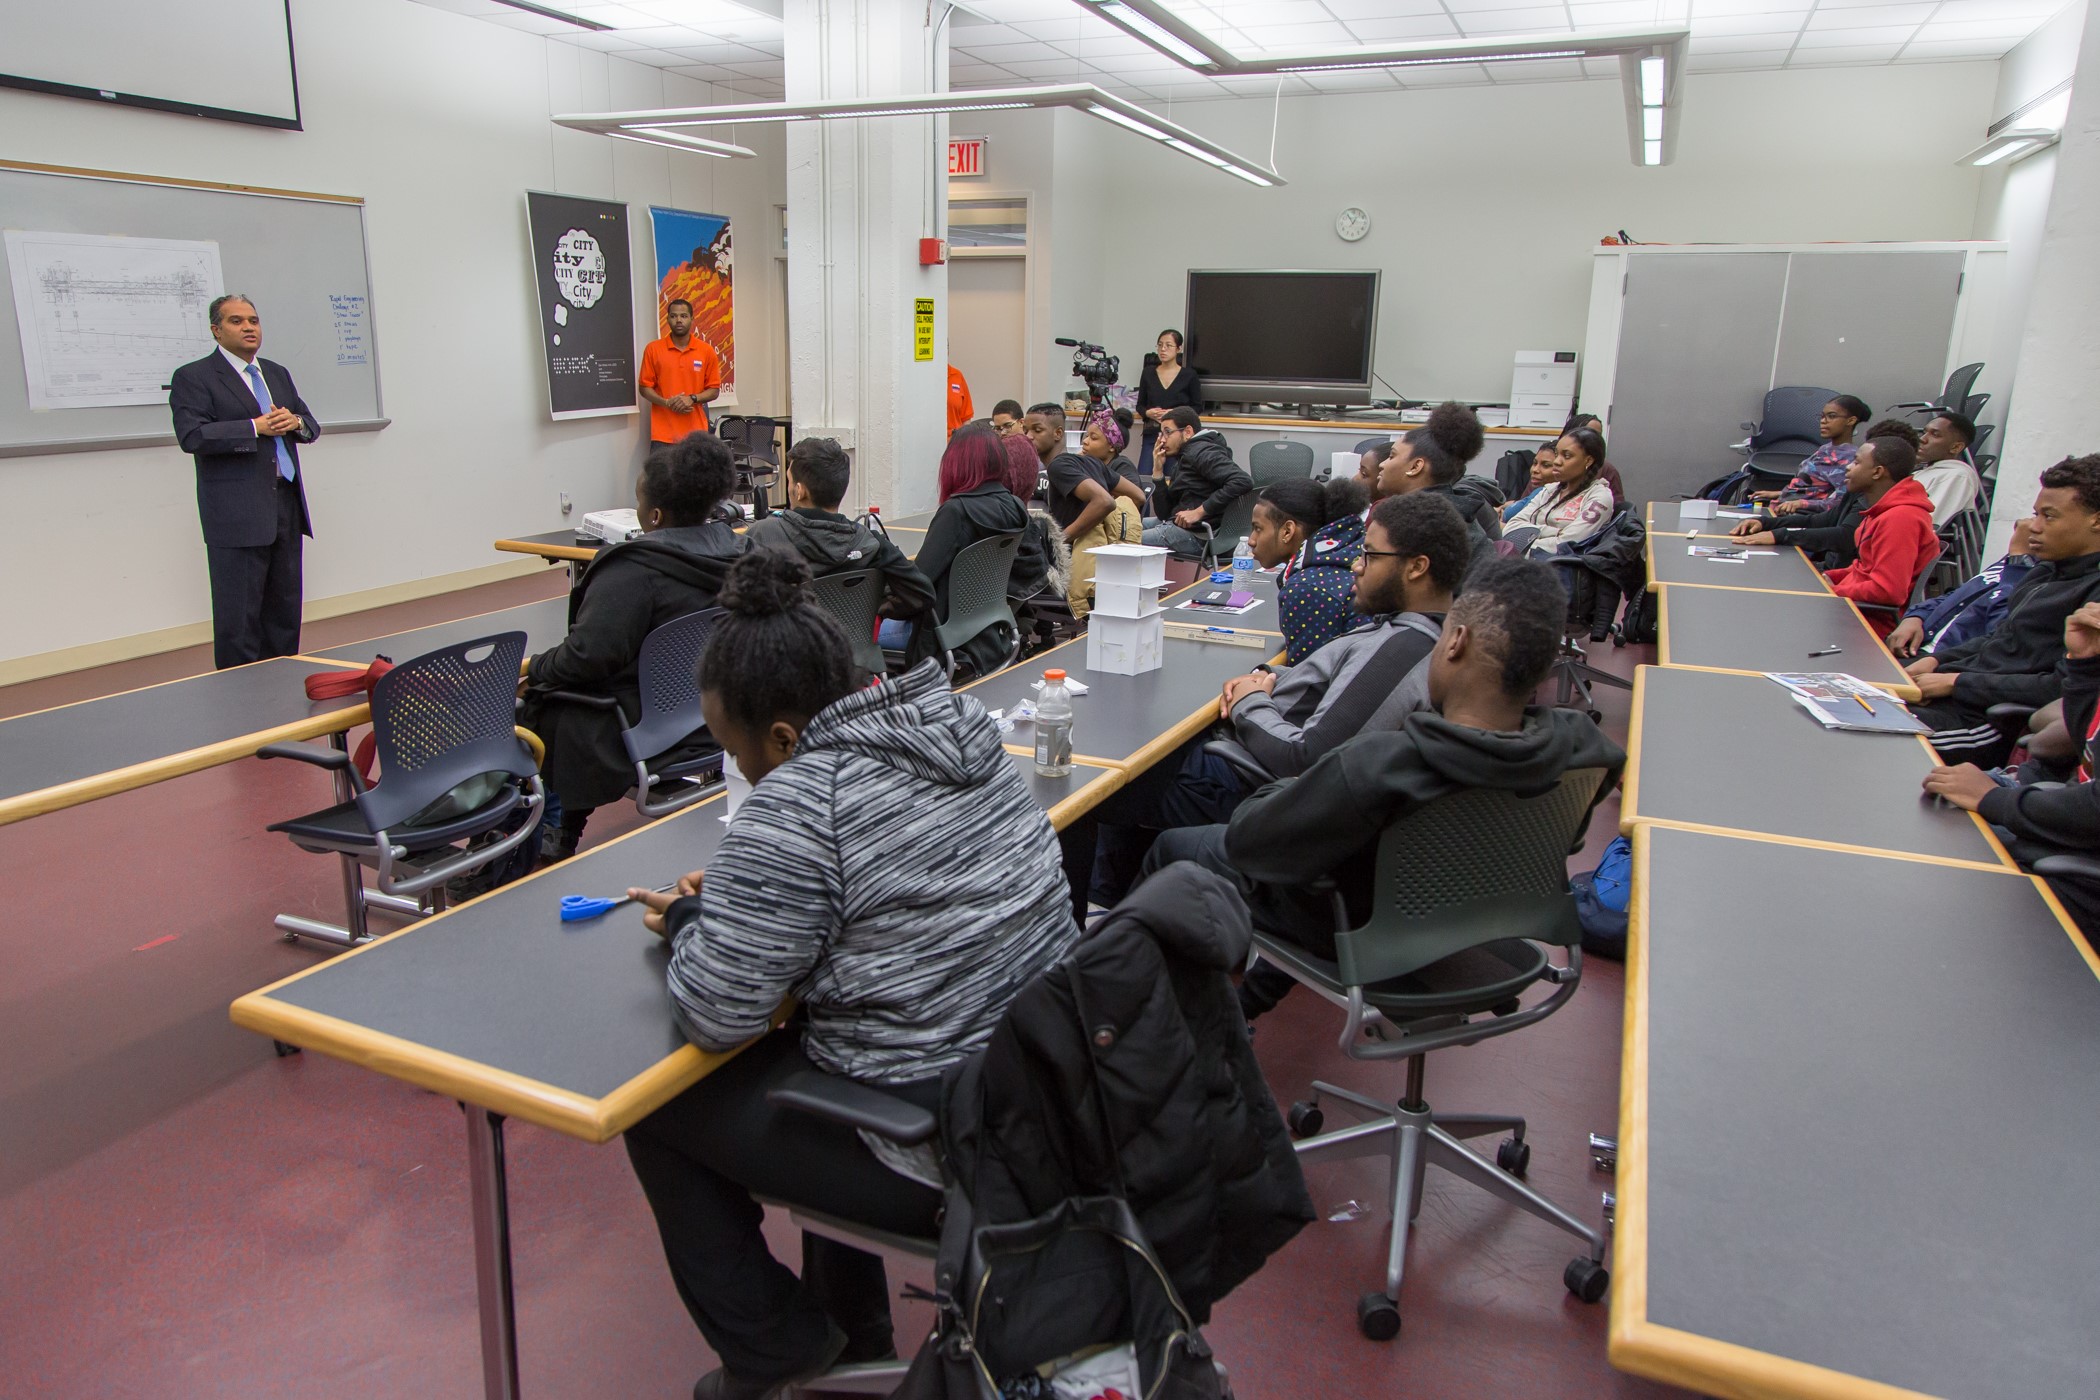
<point>988,328</point>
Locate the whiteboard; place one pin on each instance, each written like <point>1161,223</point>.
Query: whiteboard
<point>301,257</point>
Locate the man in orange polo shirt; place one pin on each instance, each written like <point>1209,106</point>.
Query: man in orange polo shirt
<point>681,375</point>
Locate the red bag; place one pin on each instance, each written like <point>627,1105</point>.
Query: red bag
<point>334,685</point>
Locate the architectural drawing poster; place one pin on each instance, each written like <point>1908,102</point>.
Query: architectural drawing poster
<point>693,261</point>
<point>586,295</point>
<point>105,321</point>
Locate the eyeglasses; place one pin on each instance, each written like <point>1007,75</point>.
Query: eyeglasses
<point>1364,554</point>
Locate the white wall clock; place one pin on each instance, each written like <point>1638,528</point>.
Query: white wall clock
<point>1351,224</point>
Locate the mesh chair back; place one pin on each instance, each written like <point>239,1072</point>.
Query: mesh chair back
<point>441,719</point>
<point>1232,526</point>
<point>1472,868</point>
<point>1792,413</point>
<point>1368,443</point>
<point>853,599</point>
<point>977,590</point>
<point>669,670</point>
<point>1271,462</point>
<point>1959,384</point>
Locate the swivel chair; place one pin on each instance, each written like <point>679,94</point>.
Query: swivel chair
<point>977,602</point>
<point>1281,460</point>
<point>1471,896</point>
<point>669,672</point>
<point>1786,435</point>
<point>854,600</point>
<point>452,767</point>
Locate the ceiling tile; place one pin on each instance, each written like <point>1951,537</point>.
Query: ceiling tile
<point>1612,14</point>
<point>1058,67</point>
<point>1740,43</point>
<point>2036,10</point>
<point>1135,63</point>
<point>770,68</point>
<point>1007,11</point>
<point>2014,27</point>
<point>1785,22</point>
<point>1806,57</point>
<point>1241,16</point>
<point>1705,11</point>
<point>1722,62</point>
<point>1388,33</point>
<point>1349,10</point>
<point>530,23</point>
<point>1870,16</point>
<point>1049,28</point>
<point>1091,47</point>
<point>1953,50</point>
<point>1324,34</point>
<point>1542,19</point>
<point>718,54</point>
<point>1894,35</point>
<point>611,41</point>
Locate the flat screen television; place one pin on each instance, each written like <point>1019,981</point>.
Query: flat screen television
<point>1282,337</point>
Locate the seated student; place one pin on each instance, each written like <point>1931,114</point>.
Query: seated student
<point>1822,474</point>
<point>1483,731</point>
<point>1608,472</point>
<point>1944,469</point>
<point>837,885</point>
<point>1433,457</point>
<point>629,590</point>
<point>1041,545</point>
<point>1971,610</point>
<point>1006,417</point>
<point>1314,531</point>
<point>2016,661</point>
<point>1827,534</point>
<point>818,472</point>
<point>1414,556</point>
<point>975,505</point>
<point>1091,504</point>
<point>1123,463</point>
<point>1368,464</point>
<point>1578,506</point>
<point>2046,820</point>
<point>1200,481</point>
<point>1896,541</point>
<point>1543,475</point>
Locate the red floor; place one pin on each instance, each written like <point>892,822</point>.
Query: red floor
<point>182,1214</point>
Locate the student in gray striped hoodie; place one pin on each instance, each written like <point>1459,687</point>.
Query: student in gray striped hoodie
<point>890,872</point>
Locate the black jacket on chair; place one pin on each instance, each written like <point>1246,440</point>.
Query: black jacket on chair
<point>1126,1071</point>
<point>214,412</point>
<point>628,592</point>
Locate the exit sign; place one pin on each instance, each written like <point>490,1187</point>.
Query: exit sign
<point>966,157</point>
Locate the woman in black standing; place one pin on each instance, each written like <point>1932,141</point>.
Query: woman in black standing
<point>1164,383</point>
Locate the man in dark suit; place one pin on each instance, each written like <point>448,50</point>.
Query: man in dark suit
<point>240,417</point>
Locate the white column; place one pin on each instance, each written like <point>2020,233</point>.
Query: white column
<point>861,194</point>
<point>2059,351</point>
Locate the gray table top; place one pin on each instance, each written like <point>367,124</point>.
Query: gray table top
<point>1131,721</point>
<point>499,1003</point>
<point>1860,1104</point>
<point>1783,569</point>
<point>544,623</point>
<point>1735,629</point>
<point>1667,517</point>
<point>1737,753</point>
<point>60,757</point>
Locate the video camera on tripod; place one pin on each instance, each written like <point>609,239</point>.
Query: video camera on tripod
<point>1093,364</point>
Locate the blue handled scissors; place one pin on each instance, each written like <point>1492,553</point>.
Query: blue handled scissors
<point>575,908</point>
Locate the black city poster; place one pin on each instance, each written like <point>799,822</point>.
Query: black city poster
<point>586,293</point>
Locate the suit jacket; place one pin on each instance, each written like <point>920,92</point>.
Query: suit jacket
<point>215,413</point>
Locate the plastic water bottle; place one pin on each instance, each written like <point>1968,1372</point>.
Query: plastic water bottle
<point>1053,727</point>
<point>1242,561</point>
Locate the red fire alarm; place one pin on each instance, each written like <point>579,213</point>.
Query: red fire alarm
<point>933,252</point>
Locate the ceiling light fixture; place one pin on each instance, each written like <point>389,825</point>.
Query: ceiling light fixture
<point>1652,82</point>
<point>666,125</point>
<point>1324,66</point>
<point>544,13</point>
<point>1158,30</point>
<point>2016,143</point>
<point>690,145</point>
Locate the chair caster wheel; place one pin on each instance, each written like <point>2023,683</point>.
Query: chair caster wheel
<point>1586,1279</point>
<point>1514,1156</point>
<point>1306,1119</point>
<point>284,1049</point>
<point>1596,716</point>
<point>1377,1317</point>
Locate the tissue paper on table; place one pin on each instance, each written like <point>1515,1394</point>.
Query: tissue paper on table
<point>1072,687</point>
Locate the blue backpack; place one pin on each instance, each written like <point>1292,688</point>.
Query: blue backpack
<point>1600,901</point>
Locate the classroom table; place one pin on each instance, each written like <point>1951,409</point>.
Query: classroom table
<point>1859,1102</point>
<point>62,757</point>
<point>1766,569</point>
<point>1717,752</point>
<point>566,547</point>
<point>1733,629</point>
<point>544,623</point>
<point>1131,722</point>
<point>498,1004</point>
<point>1667,518</point>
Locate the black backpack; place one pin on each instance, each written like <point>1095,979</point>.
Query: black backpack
<point>1513,472</point>
<point>1638,624</point>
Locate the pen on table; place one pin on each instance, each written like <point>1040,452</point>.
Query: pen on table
<point>1228,631</point>
<point>1827,651</point>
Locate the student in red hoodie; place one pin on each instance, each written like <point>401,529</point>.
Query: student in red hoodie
<point>1895,539</point>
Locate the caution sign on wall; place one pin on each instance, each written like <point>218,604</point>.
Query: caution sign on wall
<point>922,328</point>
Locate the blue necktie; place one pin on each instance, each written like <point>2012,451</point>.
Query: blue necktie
<point>262,396</point>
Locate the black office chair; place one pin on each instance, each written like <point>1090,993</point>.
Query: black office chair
<point>1271,462</point>
<point>1472,894</point>
<point>977,602</point>
<point>670,723</point>
<point>1788,433</point>
<point>756,459</point>
<point>1222,537</point>
<point>1955,396</point>
<point>855,600</point>
<point>452,767</point>
<point>1961,548</point>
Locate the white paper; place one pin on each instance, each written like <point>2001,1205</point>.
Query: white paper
<point>1072,687</point>
<point>106,321</point>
